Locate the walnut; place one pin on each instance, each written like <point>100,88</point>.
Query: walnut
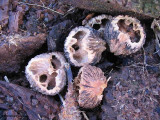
<point>99,23</point>
<point>83,46</point>
<point>91,82</point>
<point>124,35</point>
<point>46,73</point>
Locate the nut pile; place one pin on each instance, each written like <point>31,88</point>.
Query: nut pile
<point>83,48</point>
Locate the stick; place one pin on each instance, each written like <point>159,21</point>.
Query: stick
<point>41,7</point>
<point>69,73</point>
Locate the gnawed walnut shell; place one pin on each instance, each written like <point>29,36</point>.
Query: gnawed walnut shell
<point>124,35</point>
<point>83,46</point>
<point>91,82</point>
<point>46,73</point>
<point>99,22</point>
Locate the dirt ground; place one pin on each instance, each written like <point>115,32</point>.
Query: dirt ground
<point>133,92</point>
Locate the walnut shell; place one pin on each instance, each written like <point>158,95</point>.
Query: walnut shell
<point>83,46</point>
<point>99,23</point>
<point>46,73</point>
<point>124,35</point>
<point>92,82</point>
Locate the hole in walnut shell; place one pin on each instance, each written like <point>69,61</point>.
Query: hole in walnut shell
<point>52,82</point>
<point>55,62</point>
<point>104,22</point>
<point>79,35</point>
<point>43,78</point>
<point>75,47</point>
<point>134,35</point>
<point>79,55</point>
<point>96,26</point>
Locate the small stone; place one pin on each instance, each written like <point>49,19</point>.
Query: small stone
<point>46,106</point>
<point>137,110</point>
<point>9,99</point>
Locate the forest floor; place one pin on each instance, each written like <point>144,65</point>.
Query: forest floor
<point>133,92</point>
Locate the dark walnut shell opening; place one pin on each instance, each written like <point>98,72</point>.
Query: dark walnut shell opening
<point>91,82</point>
<point>83,46</point>
<point>124,35</point>
<point>46,73</point>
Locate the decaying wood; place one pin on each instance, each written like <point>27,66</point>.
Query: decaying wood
<point>35,105</point>
<point>15,49</point>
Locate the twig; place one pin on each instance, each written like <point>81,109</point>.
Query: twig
<point>69,73</point>
<point>144,59</point>
<point>41,6</point>
<point>62,100</point>
<point>88,17</point>
<point>145,62</point>
<point>68,11</point>
<point>6,79</point>
<point>28,108</point>
<point>109,72</point>
<point>42,3</point>
<point>108,79</point>
<point>156,51</point>
<point>85,116</point>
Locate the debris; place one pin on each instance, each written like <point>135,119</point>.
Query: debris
<point>70,109</point>
<point>88,17</point>
<point>6,79</point>
<point>57,35</point>
<point>22,98</point>
<point>15,49</point>
<point>42,7</point>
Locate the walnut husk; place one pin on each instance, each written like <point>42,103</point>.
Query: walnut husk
<point>92,82</point>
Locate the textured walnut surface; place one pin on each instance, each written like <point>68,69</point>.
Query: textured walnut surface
<point>83,46</point>
<point>45,72</point>
<point>124,35</point>
<point>92,82</point>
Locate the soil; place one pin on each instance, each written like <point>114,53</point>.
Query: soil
<point>133,92</point>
